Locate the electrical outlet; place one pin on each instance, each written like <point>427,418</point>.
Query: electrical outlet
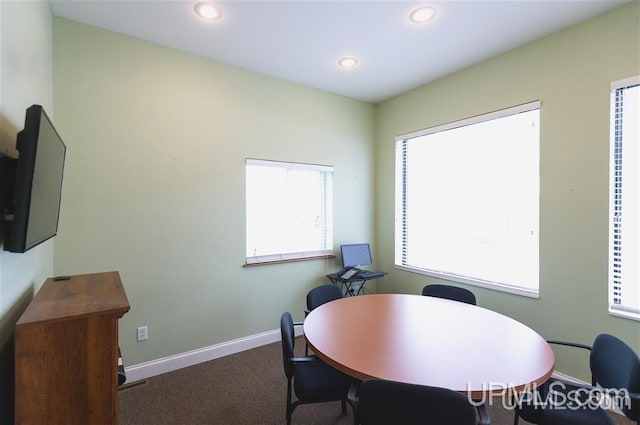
<point>143,333</point>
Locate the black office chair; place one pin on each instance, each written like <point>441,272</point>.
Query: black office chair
<point>322,294</point>
<point>312,380</point>
<point>614,365</point>
<point>449,292</point>
<point>380,402</point>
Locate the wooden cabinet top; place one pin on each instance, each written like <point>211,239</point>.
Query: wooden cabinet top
<point>80,295</point>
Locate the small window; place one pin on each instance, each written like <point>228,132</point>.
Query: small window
<point>289,211</point>
<point>624,199</point>
<point>467,206</point>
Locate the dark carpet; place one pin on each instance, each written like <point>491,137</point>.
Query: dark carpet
<point>248,388</point>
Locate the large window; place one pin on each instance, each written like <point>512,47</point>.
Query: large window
<point>624,205</point>
<point>289,211</point>
<point>467,200</point>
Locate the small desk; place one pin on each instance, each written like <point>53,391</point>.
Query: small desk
<point>429,341</point>
<point>348,283</point>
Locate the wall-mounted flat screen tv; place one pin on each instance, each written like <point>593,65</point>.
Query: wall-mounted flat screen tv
<point>34,183</point>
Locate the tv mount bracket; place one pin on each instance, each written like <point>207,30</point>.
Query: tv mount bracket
<point>7,181</point>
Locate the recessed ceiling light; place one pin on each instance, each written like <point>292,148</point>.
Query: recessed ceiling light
<point>422,15</point>
<point>348,62</point>
<point>208,11</point>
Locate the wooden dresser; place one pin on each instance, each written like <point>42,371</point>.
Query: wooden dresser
<point>66,352</point>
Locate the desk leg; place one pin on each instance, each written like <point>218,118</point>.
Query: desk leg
<point>349,289</point>
<point>343,285</point>
<point>348,286</point>
<point>361,287</point>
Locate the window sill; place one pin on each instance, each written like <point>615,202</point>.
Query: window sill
<point>256,263</point>
<point>624,314</point>
<point>529,293</point>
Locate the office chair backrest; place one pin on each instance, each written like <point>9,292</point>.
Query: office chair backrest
<point>389,403</point>
<point>288,341</point>
<point>323,294</point>
<point>450,292</point>
<point>615,365</point>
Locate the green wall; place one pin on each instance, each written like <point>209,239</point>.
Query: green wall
<point>154,183</point>
<point>26,77</point>
<point>569,72</point>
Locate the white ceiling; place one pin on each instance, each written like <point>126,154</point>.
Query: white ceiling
<point>301,40</point>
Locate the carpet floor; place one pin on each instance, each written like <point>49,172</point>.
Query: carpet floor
<point>248,388</point>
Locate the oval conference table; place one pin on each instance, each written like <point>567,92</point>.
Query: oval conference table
<point>429,341</point>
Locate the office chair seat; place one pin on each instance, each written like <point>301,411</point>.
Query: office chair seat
<point>316,380</point>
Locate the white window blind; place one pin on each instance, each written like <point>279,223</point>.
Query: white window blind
<point>467,200</point>
<point>624,204</point>
<point>289,209</point>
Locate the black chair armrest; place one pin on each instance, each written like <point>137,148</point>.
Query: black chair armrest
<point>634,396</point>
<point>352,395</point>
<point>305,359</point>
<point>354,400</point>
<point>574,345</point>
<point>570,344</point>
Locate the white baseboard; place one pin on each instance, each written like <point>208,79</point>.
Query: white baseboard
<point>567,378</point>
<point>152,368</point>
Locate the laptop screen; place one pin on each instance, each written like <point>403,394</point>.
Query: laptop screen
<point>355,255</point>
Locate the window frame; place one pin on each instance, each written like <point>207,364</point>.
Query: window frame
<point>327,220</point>
<point>400,225</point>
<point>615,283</point>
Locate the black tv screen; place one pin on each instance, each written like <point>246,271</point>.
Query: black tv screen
<point>34,206</point>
